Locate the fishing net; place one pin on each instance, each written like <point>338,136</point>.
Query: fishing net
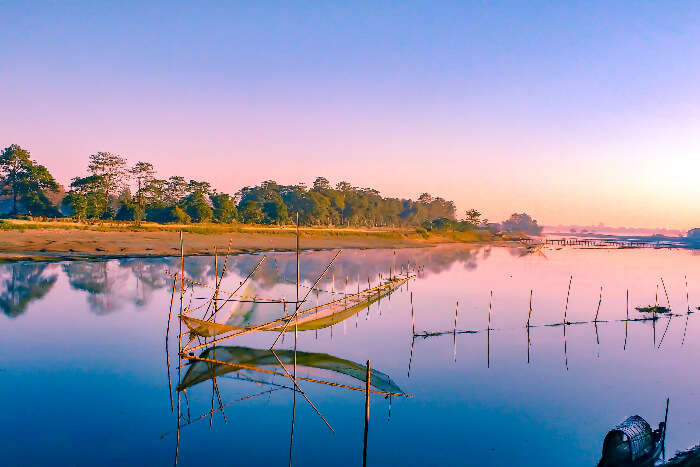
<point>251,315</point>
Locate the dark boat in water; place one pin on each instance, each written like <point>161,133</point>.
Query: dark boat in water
<point>633,443</point>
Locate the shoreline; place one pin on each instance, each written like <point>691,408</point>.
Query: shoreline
<point>46,243</point>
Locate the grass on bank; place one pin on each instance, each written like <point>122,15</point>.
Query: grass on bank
<point>212,229</point>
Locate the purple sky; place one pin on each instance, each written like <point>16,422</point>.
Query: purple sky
<point>574,114</point>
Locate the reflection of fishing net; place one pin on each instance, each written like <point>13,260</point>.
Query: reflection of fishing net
<point>252,361</point>
<point>256,315</point>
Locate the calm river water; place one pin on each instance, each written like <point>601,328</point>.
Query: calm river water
<point>84,376</point>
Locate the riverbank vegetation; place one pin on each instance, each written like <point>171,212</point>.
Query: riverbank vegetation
<point>114,195</point>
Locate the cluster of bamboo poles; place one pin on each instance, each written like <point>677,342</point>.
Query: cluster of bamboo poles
<point>564,323</point>
<point>215,304</point>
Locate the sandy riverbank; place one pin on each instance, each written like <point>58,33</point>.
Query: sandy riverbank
<point>53,241</point>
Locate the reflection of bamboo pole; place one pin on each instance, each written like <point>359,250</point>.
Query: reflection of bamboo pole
<point>167,352</point>
<point>243,366</point>
<point>296,386</point>
<point>528,344</point>
<point>367,392</point>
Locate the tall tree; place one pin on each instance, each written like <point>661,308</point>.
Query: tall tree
<point>144,174</point>
<point>24,179</point>
<point>175,190</point>
<point>112,169</point>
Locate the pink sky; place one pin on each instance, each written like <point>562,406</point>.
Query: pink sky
<point>573,115</point>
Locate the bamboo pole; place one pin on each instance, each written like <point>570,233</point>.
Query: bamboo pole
<point>627,319</point>
<point>566,308</point>
<point>687,315</point>
<point>529,313</point>
<point>213,317</point>
<point>296,321</point>
<point>413,319</point>
<point>456,314</point>
<point>668,302</point>
<point>296,313</point>
<point>367,392</point>
<point>600,301</point>
<point>490,307</point>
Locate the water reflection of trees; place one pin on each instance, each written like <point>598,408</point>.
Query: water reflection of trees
<point>105,285</point>
<point>355,265</point>
<point>23,283</point>
<point>109,284</point>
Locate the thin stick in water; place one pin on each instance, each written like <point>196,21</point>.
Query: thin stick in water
<point>600,301</point>
<point>369,376</point>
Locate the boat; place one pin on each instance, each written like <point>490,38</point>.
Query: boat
<point>634,443</point>
<point>653,309</point>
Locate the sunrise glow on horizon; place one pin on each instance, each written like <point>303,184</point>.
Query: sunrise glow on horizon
<point>573,114</point>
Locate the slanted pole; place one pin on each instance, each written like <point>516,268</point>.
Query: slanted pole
<point>600,300</point>
<point>566,308</point>
<point>529,313</point>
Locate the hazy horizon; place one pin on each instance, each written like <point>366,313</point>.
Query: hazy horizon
<point>574,114</point>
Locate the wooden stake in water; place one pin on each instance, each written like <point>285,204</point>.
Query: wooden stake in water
<point>367,389</point>
<point>454,333</point>
<point>627,319</point>
<point>566,308</point>
<point>456,314</point>
<point>529,315</point>
<point>668,302</point>
<point>490,307</point>
<point>600,300</point>
<point>413,320</point>
<point>687,315</point>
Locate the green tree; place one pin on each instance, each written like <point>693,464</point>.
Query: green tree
<point>111,168</point>
<point>197,208</point>
<point>77,202</point>
<point>176,188</point>
<point>130,211</point>
<point>25,180</point>
<point>144,174</point>
<point>224,208</point>
<point>276,211</point>
<point>250,212</point>
<point>90,192</point>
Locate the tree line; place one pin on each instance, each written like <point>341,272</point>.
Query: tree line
<point>112,189</point>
